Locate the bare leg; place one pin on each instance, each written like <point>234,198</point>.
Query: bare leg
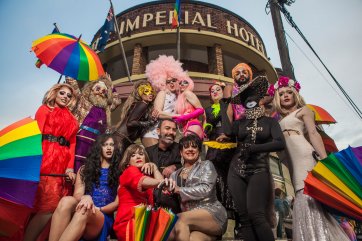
<point>87,225</point>
<point>195,129</point>
<point>199,236</point>
<point>148,141</point>
<point>36,226</point>
<point>62,216</point>
<point>197,220</point>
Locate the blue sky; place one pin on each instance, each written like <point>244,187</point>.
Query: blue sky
<point>332,27</point>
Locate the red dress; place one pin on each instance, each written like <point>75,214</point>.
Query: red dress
<point>130,194</point>
<point>56,158</point>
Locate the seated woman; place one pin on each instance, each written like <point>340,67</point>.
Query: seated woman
<point>203,216</point>
<point>89,213</point>
<point>137,181</point>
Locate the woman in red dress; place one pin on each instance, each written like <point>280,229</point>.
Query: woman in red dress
<point>138,179</point>
<point>58,127</point>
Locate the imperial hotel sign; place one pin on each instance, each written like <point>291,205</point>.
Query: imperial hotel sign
<point>213,41</point>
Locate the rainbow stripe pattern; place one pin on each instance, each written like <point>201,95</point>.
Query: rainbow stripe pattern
<point>176,19</point>
<point>20,160</point>
<point>69,56</point>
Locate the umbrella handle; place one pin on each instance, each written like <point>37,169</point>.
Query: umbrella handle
<point>158,192</point>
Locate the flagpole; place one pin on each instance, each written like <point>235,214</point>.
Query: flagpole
<point>178,43</point>
<point>120,43</point>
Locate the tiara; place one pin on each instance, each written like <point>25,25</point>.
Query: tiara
<point>283,81</point>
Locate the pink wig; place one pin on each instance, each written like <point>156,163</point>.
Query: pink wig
<point>182,105</point>
<point>161,69</point>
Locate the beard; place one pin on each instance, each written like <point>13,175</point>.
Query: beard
<point>242,82</point>
<point>98,100</point>
<point>167,139</point>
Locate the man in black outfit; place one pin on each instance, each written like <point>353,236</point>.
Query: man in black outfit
<point>165,154</point>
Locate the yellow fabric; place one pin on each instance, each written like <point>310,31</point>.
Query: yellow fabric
<point>321,171</point>
<point>139,215</point>
<point>21,132</point>
<point>220,145</point>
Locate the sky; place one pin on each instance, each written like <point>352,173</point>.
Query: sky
<point>333,28</point>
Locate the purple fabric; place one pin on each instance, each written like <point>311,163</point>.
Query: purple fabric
<point>95,119</point>
<point>358,153</point>
<point>18,191</point>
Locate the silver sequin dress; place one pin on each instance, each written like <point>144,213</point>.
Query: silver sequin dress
<point>199,191</point>
<point>310,221</point>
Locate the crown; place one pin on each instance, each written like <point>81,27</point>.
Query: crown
<point>283,81</point>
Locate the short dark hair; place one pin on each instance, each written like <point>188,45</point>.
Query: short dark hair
<point>162,120</point>
<point>192,140</point>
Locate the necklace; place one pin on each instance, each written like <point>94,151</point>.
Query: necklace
<point>185,170</point>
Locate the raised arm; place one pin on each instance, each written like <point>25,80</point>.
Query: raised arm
<point>315,138</point>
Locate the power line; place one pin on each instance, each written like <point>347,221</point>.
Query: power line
<point>280,5</point>
<point>320,72</point>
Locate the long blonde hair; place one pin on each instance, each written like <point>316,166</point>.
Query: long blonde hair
<point>299,101</point>
<point>128,153</point>
<point>132,98</point>
<point>49,98</point>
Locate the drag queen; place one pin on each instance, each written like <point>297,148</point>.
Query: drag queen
<point>310,221</point>
<point>137,115</point>
<point>249,177</point>
<point>188,108</point>
<point>59,128</point>
<point>217,152</point>
<point>164,74</point>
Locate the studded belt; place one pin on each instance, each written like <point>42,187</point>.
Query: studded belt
<point>60,139</point>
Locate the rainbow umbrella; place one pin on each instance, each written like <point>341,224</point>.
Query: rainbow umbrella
<point>69,56</point>
<point>328,142</point>
<point>20,160</point>
<point>321,115</point>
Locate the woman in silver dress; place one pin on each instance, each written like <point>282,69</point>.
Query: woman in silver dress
<point>310,221</point>
<point>203,216</point>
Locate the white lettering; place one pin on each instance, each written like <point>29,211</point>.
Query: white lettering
<point>159,16</point>
<point>186,17</point>
<point>198,19</point>
<point>244,34</point>
<point>209,23</point>
<point>146,18</point>
<point>229,27</point>
<point>132,26</point>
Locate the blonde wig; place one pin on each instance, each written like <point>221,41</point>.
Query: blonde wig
<point>299,101</point>
<point>49,98</point>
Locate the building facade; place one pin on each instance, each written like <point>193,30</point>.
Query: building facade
<point>213,40</point>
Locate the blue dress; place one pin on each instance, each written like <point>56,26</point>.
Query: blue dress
<point>102,196</point>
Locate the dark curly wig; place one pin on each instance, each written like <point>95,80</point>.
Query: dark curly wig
<point>91,170</point>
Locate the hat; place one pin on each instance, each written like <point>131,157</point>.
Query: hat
<point>256,88</point>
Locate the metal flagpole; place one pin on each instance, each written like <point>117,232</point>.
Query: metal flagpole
<point>178,43</point>
<point>120,43</point>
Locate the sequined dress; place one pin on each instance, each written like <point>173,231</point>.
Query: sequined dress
<point>198,191</point>
<point>310,221</point>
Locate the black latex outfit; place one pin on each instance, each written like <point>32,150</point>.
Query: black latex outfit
<point>249,177</point>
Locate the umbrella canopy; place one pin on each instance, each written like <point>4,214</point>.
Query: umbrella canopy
<point>20,159</point>
<point>69,56</point>
<point>321,115</point>
<point>328,142</point>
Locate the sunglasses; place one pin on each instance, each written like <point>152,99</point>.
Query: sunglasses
<point>183,82</point>
<point>171,81</point>
<point>69,95</point>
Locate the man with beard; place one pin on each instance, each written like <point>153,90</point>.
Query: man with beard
<point>242,74</point>
<point>165,154</point>
<point>93,112</point>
